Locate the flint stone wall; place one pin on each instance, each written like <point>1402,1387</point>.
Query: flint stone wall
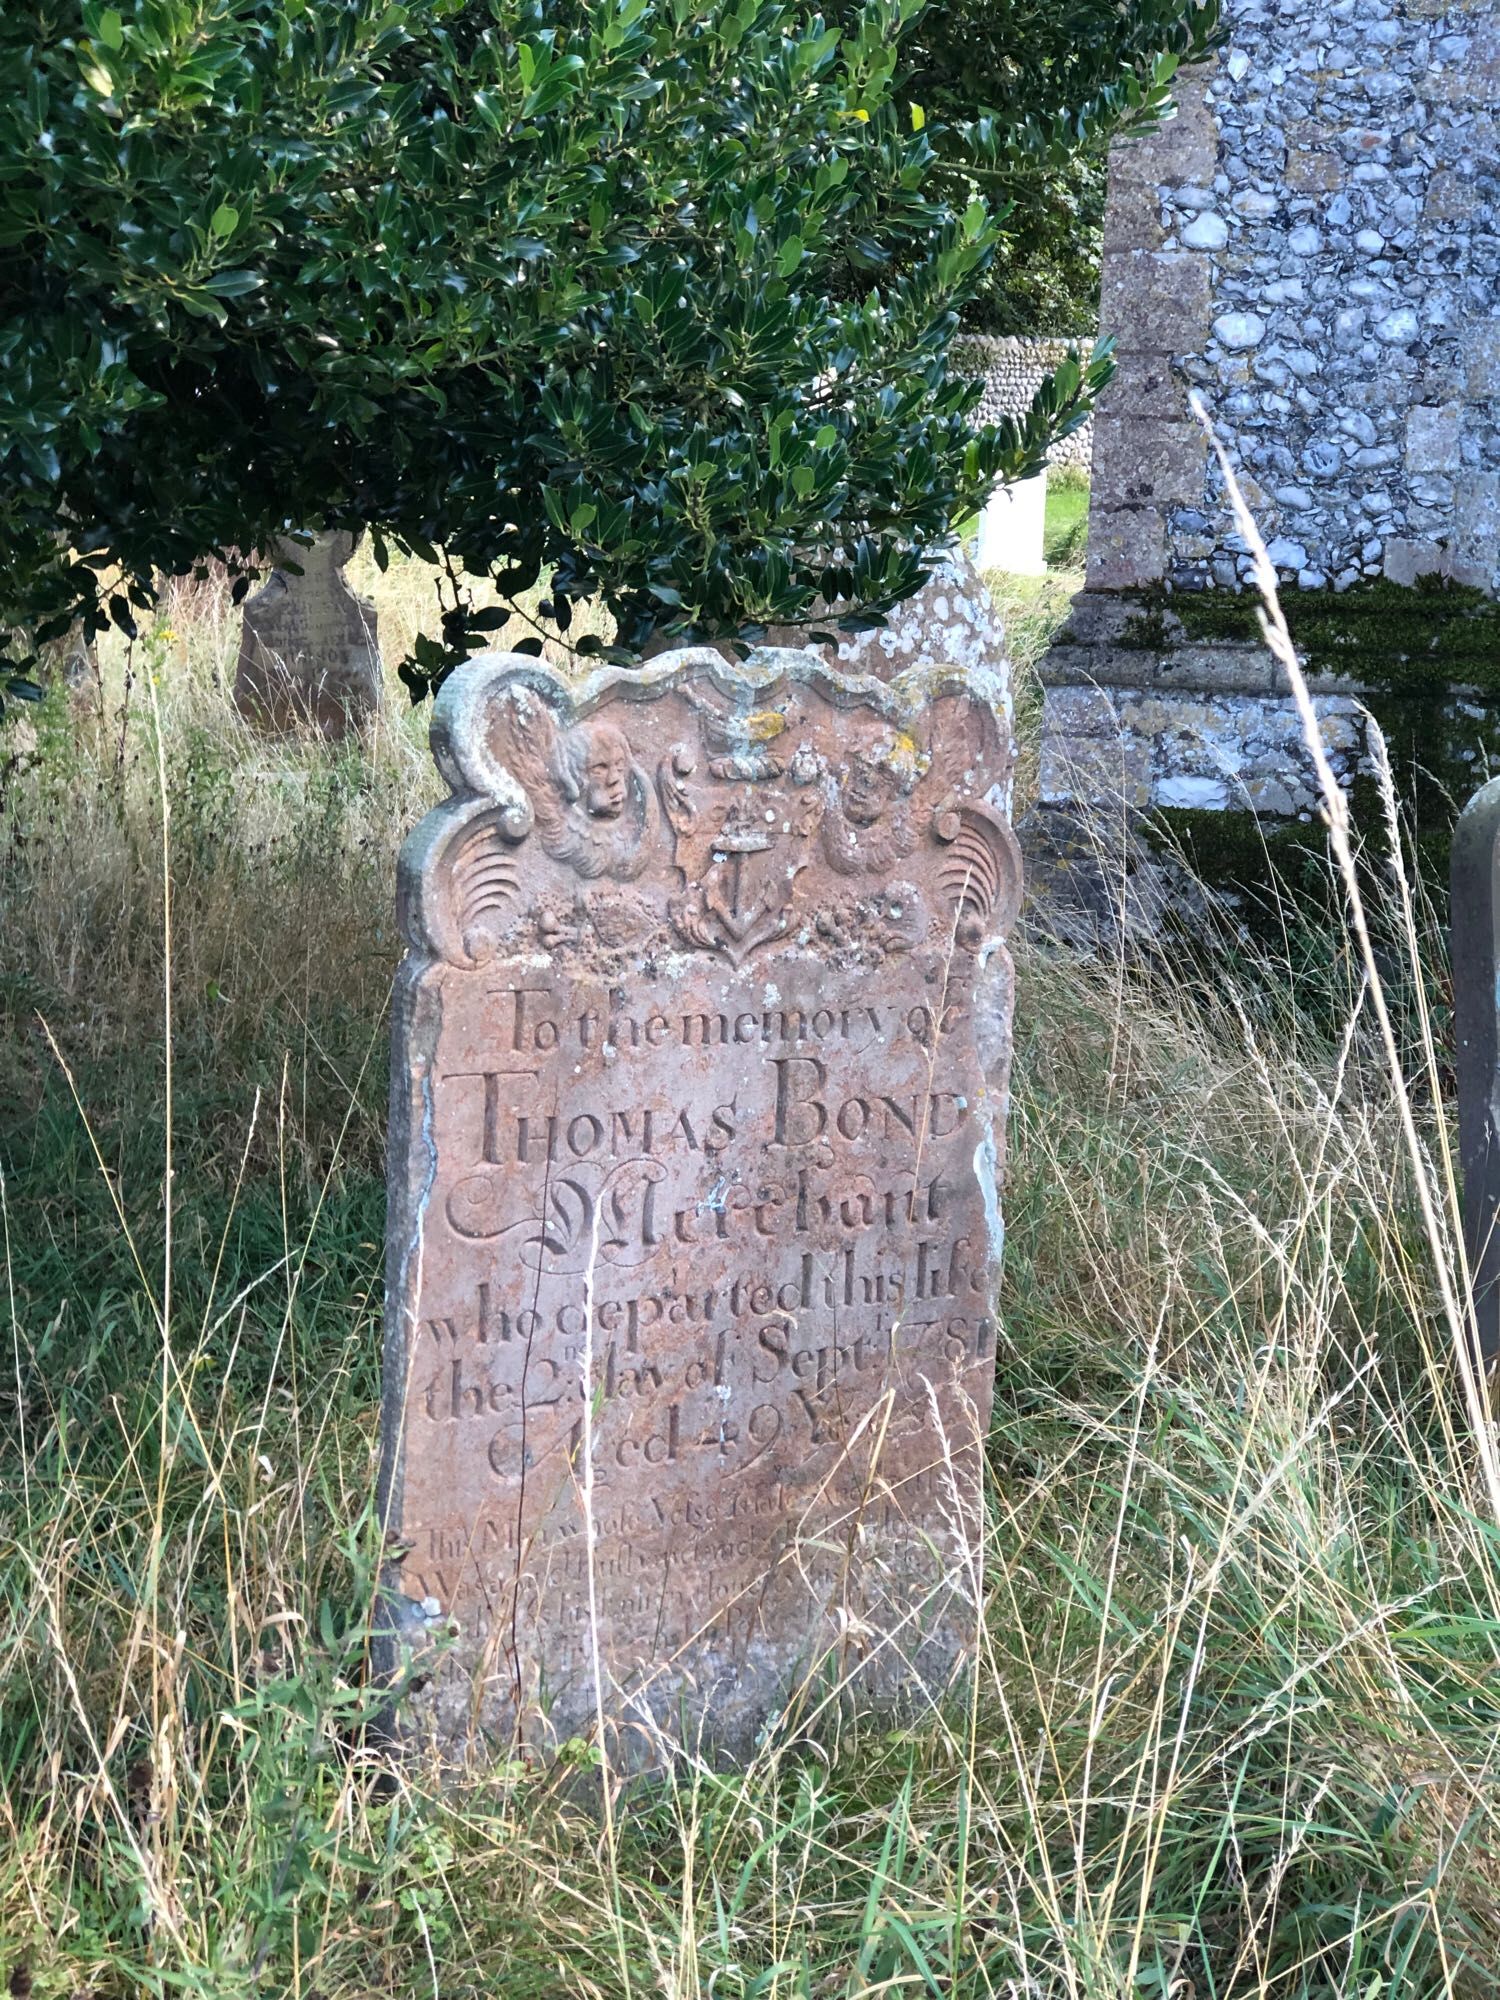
<point>1013,370</point>
<point>1312,245</point>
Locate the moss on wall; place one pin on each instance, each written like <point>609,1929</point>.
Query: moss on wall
<point>1272,865</point>
<point>1424,639</point>
<point>1290,908</point>
<point>1235,850</point>
<point>1431,652</point>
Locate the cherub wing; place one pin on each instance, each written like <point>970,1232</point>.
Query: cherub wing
<point>529,747</point>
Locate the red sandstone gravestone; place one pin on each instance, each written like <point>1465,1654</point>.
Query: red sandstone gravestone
<point>698,1106</point>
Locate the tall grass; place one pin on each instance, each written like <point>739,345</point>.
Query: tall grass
<point>1236,1713</point>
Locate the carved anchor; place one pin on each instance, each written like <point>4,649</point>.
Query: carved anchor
<point>734,905</point>
<point>736,840</point>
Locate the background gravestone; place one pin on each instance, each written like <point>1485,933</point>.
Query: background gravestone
<point>698,1103</point>
<point>310,650</point>
<point>1475,950</point>
<point>1012,532</point>
<point>950,621</point>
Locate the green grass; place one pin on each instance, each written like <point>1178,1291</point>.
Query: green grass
<point>1065,535</point>
<point>1032,609</point>
<point>1239,1682</point>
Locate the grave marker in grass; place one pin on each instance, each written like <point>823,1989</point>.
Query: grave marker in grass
<point>698,1102</point>
<point>1475,947</point>
<point>309,651</point>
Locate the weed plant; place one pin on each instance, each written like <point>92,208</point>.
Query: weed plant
<point>1235,1725</point>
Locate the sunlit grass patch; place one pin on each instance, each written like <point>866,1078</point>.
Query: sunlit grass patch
<point>1065,537</point>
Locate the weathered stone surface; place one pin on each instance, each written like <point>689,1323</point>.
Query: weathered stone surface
<point>1206,231</point>
<point>1482,354</point>
<point>1155,301</point>
<point>1081,711</point>
<point>1313,171</point>
<point>1106,771</point>
<point>950,622</point>
<point>1476,541</point>
<point>1144,385</point>
<point>1206,751</point>
<point>309,651</point>
<point>1334,257</point>
<point>1148,462</point>
<point>1451,197</point>
<point>1239,331</point>
<point>1182,150</point>
<point>1127,546</point>
<point>698,1103</point>
<point>1129,223</point>
<point>1434,438</point>
<point>1233,668</point>
<point>1407,560</point>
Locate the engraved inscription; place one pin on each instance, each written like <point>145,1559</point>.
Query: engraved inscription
<point>694,1222</point>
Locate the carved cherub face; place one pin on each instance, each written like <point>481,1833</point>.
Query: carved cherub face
<point>868,789</point>
<point>606,774</point>
<point>593,766</point>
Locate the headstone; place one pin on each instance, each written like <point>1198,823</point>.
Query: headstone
<point>74,660</point>
<point>950,622</point>
<point>310,650</point>
<point>1475,952</point>
<point>1013,529</point>
<point>698,1101</point>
